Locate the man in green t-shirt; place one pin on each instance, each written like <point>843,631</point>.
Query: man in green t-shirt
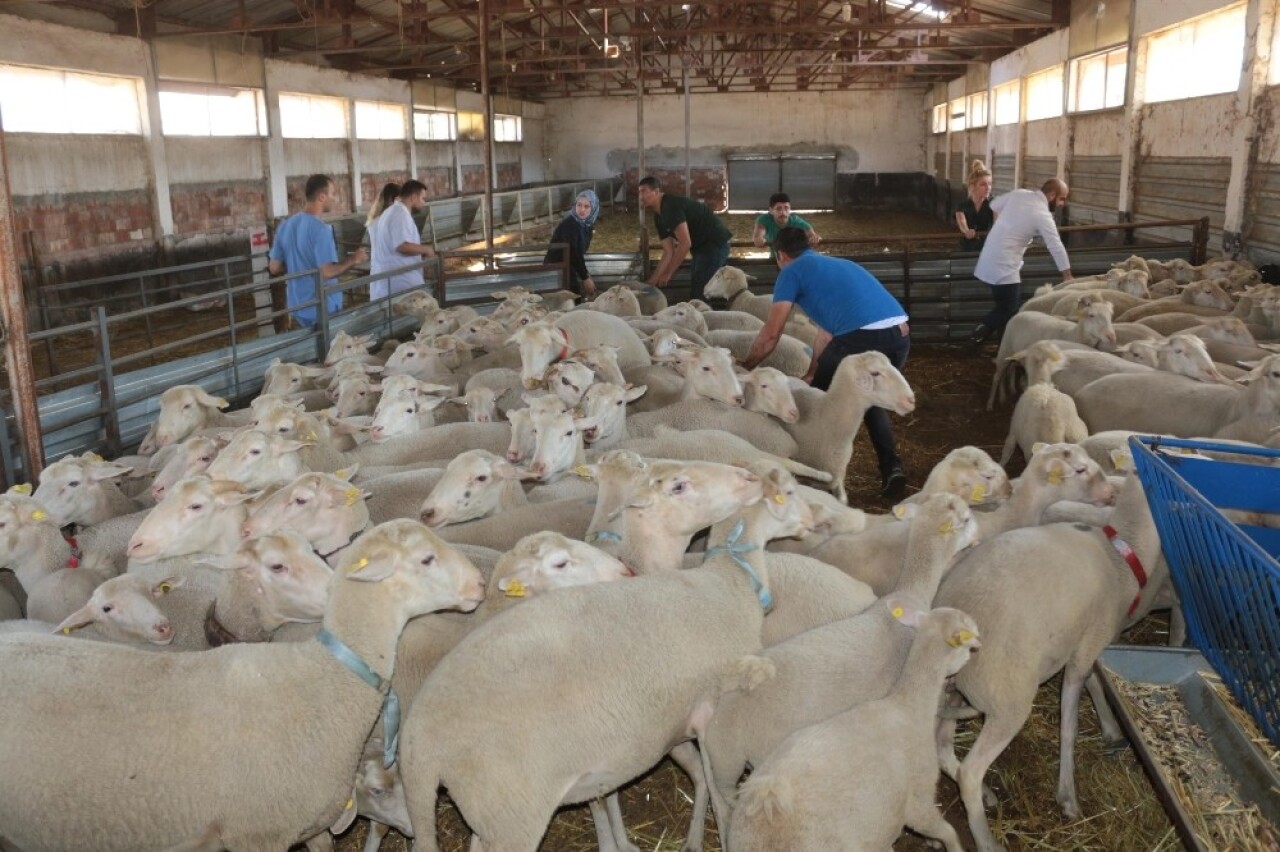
<point>780,216</point>
<point>685,227</point>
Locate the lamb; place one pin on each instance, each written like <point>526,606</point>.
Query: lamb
<point>417,303</point>
<point>346,346</point>
<point>443,441</point>
<point>476,484</point>
<point>1195,298</point>
<point>792,355</point>
<point>687,316</point>
<point>748,724</point>
<point>185,410</point>
<point>1045,596</point>
<point>623,731</point>
<point>540,343</point>
<point>766,391</point>
<point>283,725</point>
<point>83,490</point>
<point>1165,403</point>
<point>733,321</point>
<point>829,420</point>
<point>1065,303</point>
<point>324,508</point>
<point>258,460</point>
<point>1043,414</point>
<point>619,300</point>
<point>404,413</point>
<point>1055,472</point>
<point>1071,369</point>
<point>765,434</point>
<point>730,283</point>
<point>803,796</point>
<point>708,374</point>
<point>967,472</point>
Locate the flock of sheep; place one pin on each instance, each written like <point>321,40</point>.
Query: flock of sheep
<point>475,561</point>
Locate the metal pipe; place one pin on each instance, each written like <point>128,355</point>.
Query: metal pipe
<point>483,14</point>
<point>688,183</point>
<point>644,229</point>
<point>107,382</point>
<point>13,312</point>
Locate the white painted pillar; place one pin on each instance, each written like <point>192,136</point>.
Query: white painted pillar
<point>277,168</point>
<point>1260,19</point>
<point>946,141</point>
<point>412,143</point>
<point>161,202</point>
<point>1020,147</point>
<point>1130,148</point>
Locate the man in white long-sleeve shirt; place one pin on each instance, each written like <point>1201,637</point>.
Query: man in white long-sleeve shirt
<point>1020,215</point>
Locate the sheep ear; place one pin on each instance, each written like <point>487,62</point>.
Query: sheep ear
<point>205,398</point>
<point>82,617</point>
<point>903,611</point>
<point>905,511</point>
<point>1037,447</point>
<point>348,816</point>
<point>165,586</point>
<point>366,570</point>
<point>632,394</point>
<point>108,470</point>
<point>1121,459</point>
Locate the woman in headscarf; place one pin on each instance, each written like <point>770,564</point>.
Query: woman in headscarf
<point>576,231</point>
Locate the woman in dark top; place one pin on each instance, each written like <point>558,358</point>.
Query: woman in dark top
<point>576,230</point>
<point>975,215</point>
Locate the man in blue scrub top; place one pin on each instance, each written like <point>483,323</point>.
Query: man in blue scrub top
<point>855,314</point>
<point>304,241</point>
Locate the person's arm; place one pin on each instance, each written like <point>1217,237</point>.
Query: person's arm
<point>812,236</point>
<point>421,249</point>
<point>963,224</point>
<point>333,270</point>
<point>578,261</point>
<point>757,235</point>
<point>769,335</point>
<point>275,267</point>
<point>1053,241</point>
<point>678,244</point>
<point>819,346</point>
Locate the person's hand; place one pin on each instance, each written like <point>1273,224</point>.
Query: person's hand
<point>654,281</point>
<point>588,287</point>
<point>808,377</point>
<point>971,234</point>
<point>360,256</point>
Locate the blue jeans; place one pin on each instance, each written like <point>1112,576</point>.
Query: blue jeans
<point>895,345</point>
<point>706,262</point>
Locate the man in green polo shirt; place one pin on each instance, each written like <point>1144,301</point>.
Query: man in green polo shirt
<point>685,227</point>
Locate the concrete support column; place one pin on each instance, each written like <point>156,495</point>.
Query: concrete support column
<point>353,155</point>
<point>277,170</point>
<point>1260,19</point>
<point>411,146</point>
<point>946,143</point>
<point>1020,148</point>
<point>1130,147</point>
<point>162,205</point>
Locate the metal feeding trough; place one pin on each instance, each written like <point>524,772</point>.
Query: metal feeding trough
<point>1213,743</point>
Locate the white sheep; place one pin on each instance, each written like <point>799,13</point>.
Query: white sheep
<point>804,796</point>
<point>283,725</point>
<point>543,344</point>
<point>1044,597</point>
<point>765,390</point>
<point>1043,414</point>
<point>747,724</point>
<point>792,355</point>
<point>586,749</point>
<point>198,515</point>
<point>258,460</point>
<point>184,410</point>
<point>476,484</point>
<point>730,283</point>
<point>83,490</point>
<point>326,509</point>
<point>967,472</point>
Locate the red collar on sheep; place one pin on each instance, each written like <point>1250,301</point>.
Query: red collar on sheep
<point>1135,564</point>
<point>73,561</point>
<point>564,349</point>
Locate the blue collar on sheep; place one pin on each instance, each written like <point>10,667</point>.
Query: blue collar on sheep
<point>735,550</point>
<point>390,701</point>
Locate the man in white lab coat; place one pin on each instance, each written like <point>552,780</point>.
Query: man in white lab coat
<point>1020,215</point>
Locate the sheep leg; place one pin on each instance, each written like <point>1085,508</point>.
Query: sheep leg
<point>1072,684</point>
<point>322,842</point>
<point>1111,733</point>
<point>721,791</point>
<point>945,737</point>
<point>923,817</point>
<point>1009,444</point>
<point>373,840</point>
<point>616,825</point>
<point>604,829</point>
<point>1177,626</point>
<point>998,730</point>
<point>686,756</point>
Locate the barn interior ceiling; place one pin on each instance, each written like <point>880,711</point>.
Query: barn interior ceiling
<point>541,49</point>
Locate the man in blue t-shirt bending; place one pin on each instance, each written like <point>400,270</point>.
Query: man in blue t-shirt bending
<point>855,314</point>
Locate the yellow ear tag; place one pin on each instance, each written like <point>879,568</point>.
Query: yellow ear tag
<point>779,499</point>
<point>899,512</point>
<point>38,515</point>
<point>1055,357</point>
<point>1055,476</point>
<point>898,612</point>
<point>977,493</point>
<point>310,436</point>
<point>21,488</point>
<point>351,803</point>
<point>961,638</point>
<point>582,471</point>
<point>352,495</point>
<point>357,566</point>
<point>341,474</point>
<point>66,631</point>
<point>1122,463</point>
<point>165,588</point>
<point>515,589</point>
<point>93,457</point>
<point>947,528</point>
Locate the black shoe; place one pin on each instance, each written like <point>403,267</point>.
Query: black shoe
<point>894,484</point>
<point>981,334</point>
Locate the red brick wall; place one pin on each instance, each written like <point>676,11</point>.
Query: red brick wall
<point>83,223</point>
<point>439,181</point>
<point>509,175</point>
<point>201,208</point>
<point>371,185</point>
<point>710,185</point>
<point>473,179</point>
<point>297,185</point>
